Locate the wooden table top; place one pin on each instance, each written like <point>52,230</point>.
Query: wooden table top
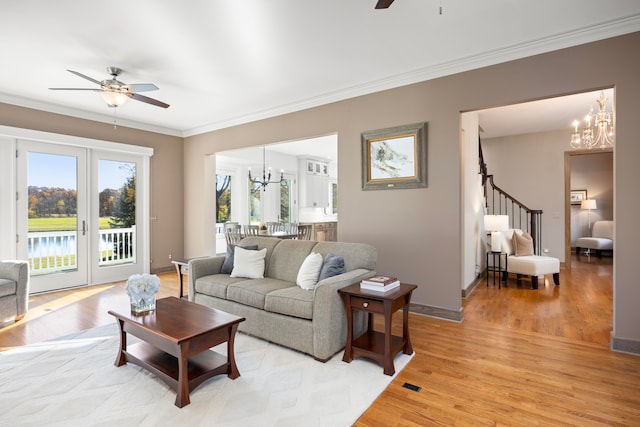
<point>178,320</point>
<point>392,294</point>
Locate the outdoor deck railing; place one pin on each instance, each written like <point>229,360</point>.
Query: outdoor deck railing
<point>53,251</point>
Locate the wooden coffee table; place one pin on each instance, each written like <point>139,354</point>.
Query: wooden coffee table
<point>176,339</point>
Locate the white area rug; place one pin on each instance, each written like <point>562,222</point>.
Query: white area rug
<point>72,381</point>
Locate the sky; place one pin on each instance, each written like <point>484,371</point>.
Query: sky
<point>52,170</point>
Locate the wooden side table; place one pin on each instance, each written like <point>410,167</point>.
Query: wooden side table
<point>497,268</point>
<point>182,267</point>
<point>379,346</point>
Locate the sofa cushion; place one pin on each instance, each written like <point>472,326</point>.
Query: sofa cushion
<point>216,284</point>
<point>290,301</point>
<point>287,258</point>
<point>227,265</point>
<point>522,244</point>
<point>356,255</point>
<point>595,243</point>
<point>331,266</point>
<point>309,271</point>
<point>248,263</point>
<point>533,265</point>
<point>253,292</point>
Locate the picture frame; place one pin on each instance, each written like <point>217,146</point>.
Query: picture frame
<point>395,158</point>
<point>577,196</point>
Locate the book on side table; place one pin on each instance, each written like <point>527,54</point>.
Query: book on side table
<point>380,283</point>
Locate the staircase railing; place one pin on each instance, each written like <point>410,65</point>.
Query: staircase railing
<point>499,202</point>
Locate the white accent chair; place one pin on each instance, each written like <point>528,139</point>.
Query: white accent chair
<point>533,266</point>
<point>601,238</point>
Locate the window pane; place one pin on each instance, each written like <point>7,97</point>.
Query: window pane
<point>254,203</point>
<point>285,200</point>
<point>117,212</point>
<point>223,198</point>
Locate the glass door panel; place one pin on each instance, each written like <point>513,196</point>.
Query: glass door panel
<point>51,214</point>
<point>115,209</point>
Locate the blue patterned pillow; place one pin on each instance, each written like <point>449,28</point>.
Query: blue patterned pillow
<point>332,266</point>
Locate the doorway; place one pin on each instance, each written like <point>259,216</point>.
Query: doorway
<point>79,214</point>
<point>590,173</point>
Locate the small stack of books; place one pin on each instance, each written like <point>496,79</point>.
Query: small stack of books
<point>380,283</point>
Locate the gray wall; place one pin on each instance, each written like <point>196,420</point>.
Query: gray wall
<point>418,232</point>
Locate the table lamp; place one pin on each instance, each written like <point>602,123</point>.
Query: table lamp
<point>496,224</point>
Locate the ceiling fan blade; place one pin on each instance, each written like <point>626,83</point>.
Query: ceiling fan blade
<point>73,88</point>
<point>383,4</point>
<point>142,87</point>
<point>85,77</point>
<point>148,100</point>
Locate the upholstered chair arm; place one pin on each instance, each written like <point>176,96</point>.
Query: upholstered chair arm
<point>201,267</point>
<point>18,271</point>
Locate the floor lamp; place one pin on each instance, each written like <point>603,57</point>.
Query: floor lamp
<point>588,204</point>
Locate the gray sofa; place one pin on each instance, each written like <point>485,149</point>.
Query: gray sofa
<point>14,291</point>
<point>275,308</point>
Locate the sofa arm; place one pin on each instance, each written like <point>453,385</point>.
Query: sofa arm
<point>329,315</point>
<point>201,267</point>
<point>18,271</point>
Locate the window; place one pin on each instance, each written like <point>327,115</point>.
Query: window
<point>285,200</point>
<point>223,198</point>
<point>255,212</point>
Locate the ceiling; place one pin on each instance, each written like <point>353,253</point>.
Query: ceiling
<point>226,62</point>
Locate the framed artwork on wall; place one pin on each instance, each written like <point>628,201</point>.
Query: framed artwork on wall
<point>395,158</point>
<point>577,196</point>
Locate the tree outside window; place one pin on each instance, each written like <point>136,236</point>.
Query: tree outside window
<point>223,198</point>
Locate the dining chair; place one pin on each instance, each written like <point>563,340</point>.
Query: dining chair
<point>232,233</point>
<point>304,232</point>
<point>251,230</point>
<point>272,227</point>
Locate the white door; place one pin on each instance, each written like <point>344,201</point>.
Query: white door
<point>51,222</point>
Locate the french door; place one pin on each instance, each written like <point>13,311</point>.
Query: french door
<point>77,219</point>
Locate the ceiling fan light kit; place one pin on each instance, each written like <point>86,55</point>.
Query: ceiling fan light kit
<point>116,93</point>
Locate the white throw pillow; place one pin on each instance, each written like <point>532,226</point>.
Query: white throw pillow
<point>249,264</point>
<point>309,271</point>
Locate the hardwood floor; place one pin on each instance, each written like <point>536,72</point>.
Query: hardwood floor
<point>521,357</point>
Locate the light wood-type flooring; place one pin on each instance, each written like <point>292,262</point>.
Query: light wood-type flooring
<point>520,357</point>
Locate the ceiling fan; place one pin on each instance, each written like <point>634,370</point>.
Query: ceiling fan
<point>383,4</point>
<point>114,92</point>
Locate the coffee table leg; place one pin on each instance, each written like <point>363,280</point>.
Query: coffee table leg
<point>182,393</point>
<point>232,372</point>
<point>121,358</point>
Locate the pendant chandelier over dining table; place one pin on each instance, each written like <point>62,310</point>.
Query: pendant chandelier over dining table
<point>600,133</point>
<point>266,174</point>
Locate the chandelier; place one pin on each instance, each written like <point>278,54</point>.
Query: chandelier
<point>266,176</point>
<point>599,133</point>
